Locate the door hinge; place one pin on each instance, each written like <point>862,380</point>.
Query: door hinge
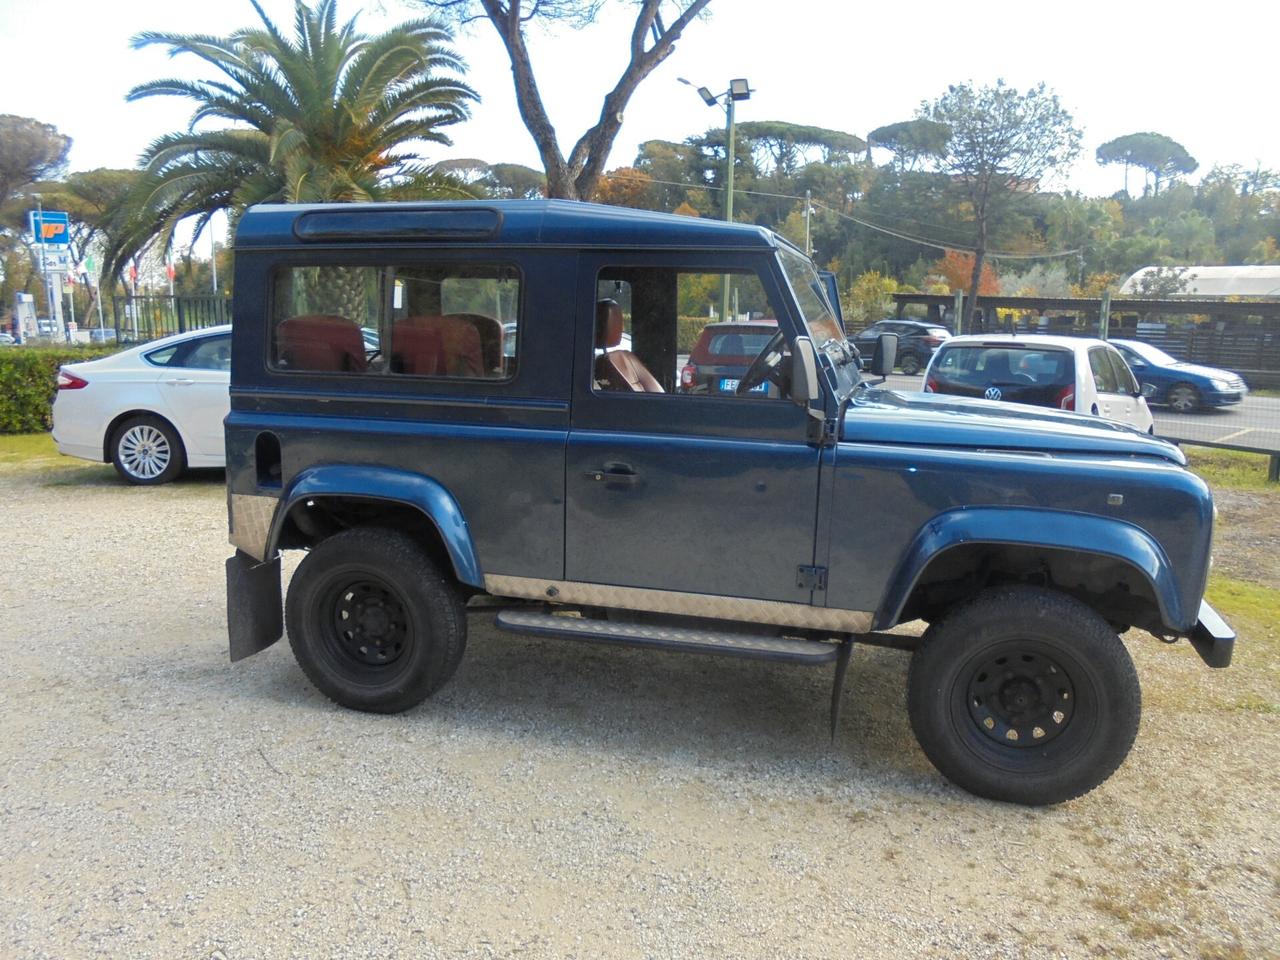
<point>811,578</point>
<point>822,432</point>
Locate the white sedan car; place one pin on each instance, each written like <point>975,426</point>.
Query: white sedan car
<point>1068,373</point>
<point>152,410</point>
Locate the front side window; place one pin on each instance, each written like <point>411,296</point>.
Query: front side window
<point>666,330</point>
<point>440,320</point>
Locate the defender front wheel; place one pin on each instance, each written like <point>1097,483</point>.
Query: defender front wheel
<point>372,622</point>
<point>1024,695</point>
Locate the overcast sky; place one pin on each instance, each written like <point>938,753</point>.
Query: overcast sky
<point>1206,81</point>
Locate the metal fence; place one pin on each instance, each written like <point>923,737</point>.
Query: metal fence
<point>151,316</point>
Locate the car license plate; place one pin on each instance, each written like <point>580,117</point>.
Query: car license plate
<point>730,385</point>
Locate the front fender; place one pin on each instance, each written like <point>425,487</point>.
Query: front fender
<point>1051,529</point>
<point>399,486</point>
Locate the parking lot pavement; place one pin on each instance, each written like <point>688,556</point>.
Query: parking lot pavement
<point>1254,423</point>
<point>555,800</point>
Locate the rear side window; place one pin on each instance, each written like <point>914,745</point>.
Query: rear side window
<point>1124,376</point>
<point>164,356</point>
<point>981,365</point>
<point>209,353</point>
<point>454,321</point>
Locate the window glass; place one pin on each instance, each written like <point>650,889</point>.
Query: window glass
<point>985,366</point>
<point>437,320</point>
<point>1125,382</point>
<point>1104,375</point>
<point>164,356</point>
<point>663,330</point>
<point>209,353</point>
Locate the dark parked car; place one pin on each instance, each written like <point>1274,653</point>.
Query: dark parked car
<point>721,357</point>
<point>916,342</point>
<point>571,491</point>
<point>1185,387</point>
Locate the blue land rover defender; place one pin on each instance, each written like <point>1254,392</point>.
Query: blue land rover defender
<point>472,409</point>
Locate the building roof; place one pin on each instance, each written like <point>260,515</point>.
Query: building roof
<point>505,222</point>
<point>1239,281</point>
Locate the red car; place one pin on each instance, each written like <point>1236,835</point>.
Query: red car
<point>723,353</point>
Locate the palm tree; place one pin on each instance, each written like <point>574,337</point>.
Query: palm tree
<point>323,116</point>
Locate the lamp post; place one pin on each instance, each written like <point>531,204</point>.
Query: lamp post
<point>739,89</point>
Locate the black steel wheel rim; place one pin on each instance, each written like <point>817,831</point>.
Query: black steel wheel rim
<point>368,624</point>
<point>1019,696</point>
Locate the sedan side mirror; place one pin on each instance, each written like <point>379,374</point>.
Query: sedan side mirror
<point>1148,390</point>
<point>886,355</point>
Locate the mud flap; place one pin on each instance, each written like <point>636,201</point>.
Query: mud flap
<point>255,618</point>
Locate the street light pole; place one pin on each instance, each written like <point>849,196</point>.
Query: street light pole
<point>739,89</point>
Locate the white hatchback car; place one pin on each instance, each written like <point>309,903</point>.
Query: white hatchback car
<point>1068,373</point>
<point>152,410</point>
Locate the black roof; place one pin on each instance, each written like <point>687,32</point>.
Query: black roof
<point>506,222</point>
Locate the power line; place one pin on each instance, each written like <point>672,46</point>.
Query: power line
<point>910,238</point>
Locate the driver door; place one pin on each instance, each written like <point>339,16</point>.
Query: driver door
<point>691,493</point>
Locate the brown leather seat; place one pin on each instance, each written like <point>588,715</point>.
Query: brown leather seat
<point>460,345</point>
<point>320,342</point>
<point>416,350</point>
<point>619,369</point>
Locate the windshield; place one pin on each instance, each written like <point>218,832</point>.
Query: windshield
<point>1153,355</point>
<point>811,295</point>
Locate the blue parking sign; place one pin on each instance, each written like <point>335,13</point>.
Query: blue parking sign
<point>50,227</point>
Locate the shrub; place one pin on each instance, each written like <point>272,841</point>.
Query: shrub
<point>27,377</point>
<point>687,331</point>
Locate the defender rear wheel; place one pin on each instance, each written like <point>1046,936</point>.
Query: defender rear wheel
<point>1024,695</point>
<point>372,622</point>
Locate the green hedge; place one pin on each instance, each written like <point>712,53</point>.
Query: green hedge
<point>27,376</point>
<point>687,331</point>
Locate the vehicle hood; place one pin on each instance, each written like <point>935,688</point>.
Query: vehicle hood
<point>939,420</point>
<point>1195,370</point>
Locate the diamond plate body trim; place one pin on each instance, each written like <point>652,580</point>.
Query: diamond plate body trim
<point>251,522</point>
<point>776,612</point>
<point>704,641</point>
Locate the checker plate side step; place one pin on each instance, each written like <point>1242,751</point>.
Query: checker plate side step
<point>669,638</point>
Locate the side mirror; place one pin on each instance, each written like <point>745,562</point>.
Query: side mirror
<point>886,355</point>
<point>1135,363</point>
<point>1148,390</point>
<point>804,372</point>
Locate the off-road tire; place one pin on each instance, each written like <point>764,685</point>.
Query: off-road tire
<point>138,442</point>
<point>373,622</point>
<point>1026,655</point>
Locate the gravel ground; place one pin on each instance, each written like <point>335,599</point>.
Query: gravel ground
<point>555,800</point>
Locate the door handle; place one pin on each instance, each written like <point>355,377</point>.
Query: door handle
<point>615,473</point>
<point>180,382</point>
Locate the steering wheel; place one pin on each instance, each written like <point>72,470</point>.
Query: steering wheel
<point>766,365</point>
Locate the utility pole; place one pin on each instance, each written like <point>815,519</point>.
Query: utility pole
<point>808,209</point>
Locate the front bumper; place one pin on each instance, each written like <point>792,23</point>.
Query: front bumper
<point>1213,398</point>
<point>1212,638</point>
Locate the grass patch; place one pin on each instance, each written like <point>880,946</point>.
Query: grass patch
<point>1230,469</point>
<point>1252,603</point>
<point>19,449</point>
